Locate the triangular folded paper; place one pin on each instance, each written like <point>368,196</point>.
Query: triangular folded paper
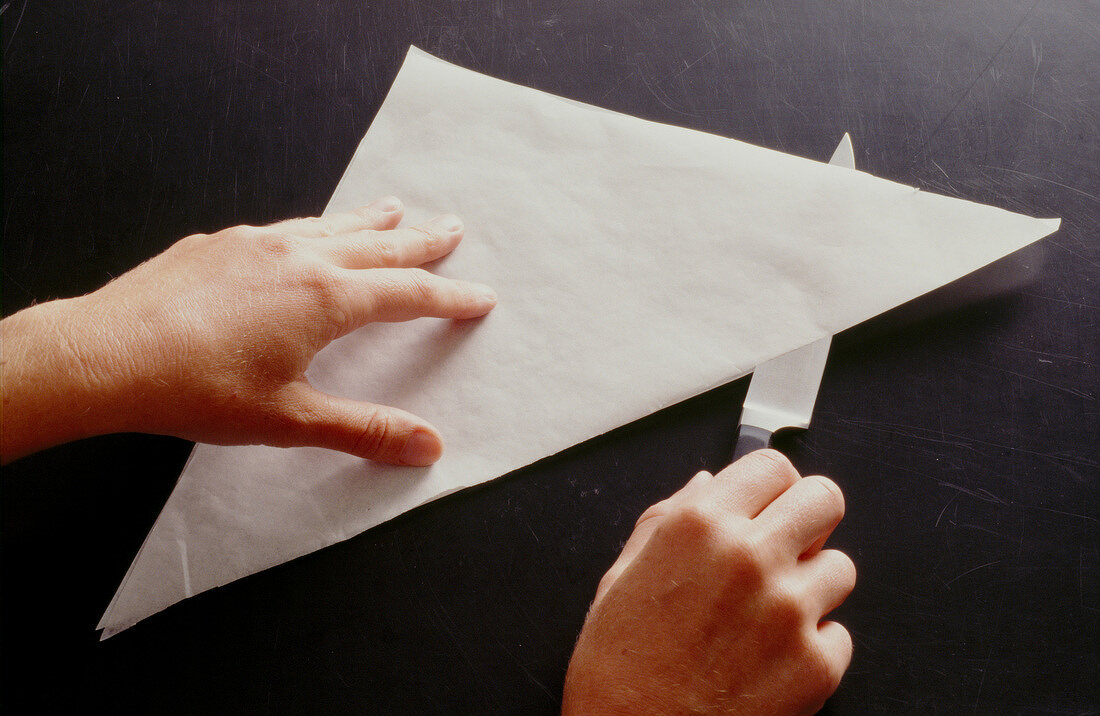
<point>637,265</point>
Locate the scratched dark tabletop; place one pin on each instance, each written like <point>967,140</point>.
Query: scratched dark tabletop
<point>966,442</point>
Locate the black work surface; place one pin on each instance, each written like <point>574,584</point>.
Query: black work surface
<point>966,443</point>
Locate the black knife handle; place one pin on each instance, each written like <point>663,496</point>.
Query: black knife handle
<point>750,438</point>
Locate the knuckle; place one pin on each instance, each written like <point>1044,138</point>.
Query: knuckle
<point>741,547</point>
<point>325,291</point>
<point>421,286</point>
<point>831,493</point>
<point>377,436</point>
<point>697,479</point>
<point>383,248</point>
<point>273,245</point>
<point>787,608</point>
<point>691,520</point>
<point>190,245</point>
<point>728,538</point>
<point>428,238</point>
<point>746,559</point>
<point>609,578</point>
<point>774,462</point>
<point>655,511</point>
<point>244,231</point>
<point>315,278</point>
<point>669,504</point>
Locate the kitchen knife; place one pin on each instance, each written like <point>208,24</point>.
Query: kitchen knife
<point>782,391</point>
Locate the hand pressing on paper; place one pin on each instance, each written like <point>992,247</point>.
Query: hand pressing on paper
<point>210,340</point>
<point>718,600</point>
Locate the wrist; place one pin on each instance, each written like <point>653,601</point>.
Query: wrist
<point>60,380</point>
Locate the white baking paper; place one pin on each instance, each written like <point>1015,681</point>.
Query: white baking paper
<point>637,265</point>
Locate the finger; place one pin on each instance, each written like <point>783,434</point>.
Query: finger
<point>829,578</point>
<point>799,517</point>
<point>749,485</point>
<point>375,432</point>
<point>836,649</point>
<point>405,294</point>
<point>399,248</point>
<point>818,544</point>
<point>381,214</point>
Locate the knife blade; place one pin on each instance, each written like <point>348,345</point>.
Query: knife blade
<point>783,390</point>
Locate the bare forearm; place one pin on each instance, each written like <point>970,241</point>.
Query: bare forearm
<point>50,394</point>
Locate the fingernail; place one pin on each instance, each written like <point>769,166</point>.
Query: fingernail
<point>386,204</point>
<point>421,449</point>
<point>446,222</point>
<point>486,294</point>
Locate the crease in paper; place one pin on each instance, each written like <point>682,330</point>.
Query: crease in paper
<point>637,265</point>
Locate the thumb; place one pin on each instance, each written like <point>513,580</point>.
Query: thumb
<point>375,432</point>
